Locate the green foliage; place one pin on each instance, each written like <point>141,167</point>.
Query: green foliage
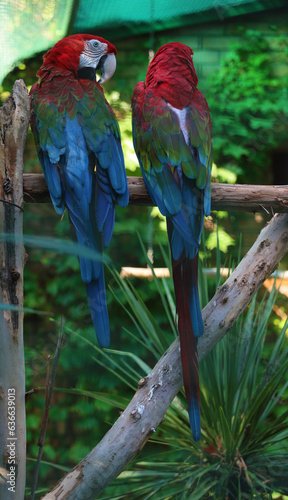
<point>243,450</point>
<point>53,283</point>
<point>248,104</point>
<point>123,112</point>
<point>222,238</point>
<point>243,389</point>
<point>236,420</point>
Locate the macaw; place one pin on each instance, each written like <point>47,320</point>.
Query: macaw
<point>79,147</point>
<point>173,141</point>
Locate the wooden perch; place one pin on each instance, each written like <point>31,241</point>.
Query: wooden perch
<point>14,119</point>
<point>156,391</point>
<point>230,197</point>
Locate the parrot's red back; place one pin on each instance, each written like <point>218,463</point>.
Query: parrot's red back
<point>173,141</point>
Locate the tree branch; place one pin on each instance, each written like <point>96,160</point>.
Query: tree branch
<point>14,119</point>
<point>156,391</point>
<point>231,197</point>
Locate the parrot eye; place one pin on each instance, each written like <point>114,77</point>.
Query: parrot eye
<point>96,44</point>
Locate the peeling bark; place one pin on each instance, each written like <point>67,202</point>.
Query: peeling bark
<point>14,119</point>
<point>155,392</point>
<point>231,197</point>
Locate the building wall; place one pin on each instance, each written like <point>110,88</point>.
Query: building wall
<point>209,41</point>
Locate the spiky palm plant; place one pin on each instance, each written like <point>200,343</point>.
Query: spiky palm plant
<point>243,451</point>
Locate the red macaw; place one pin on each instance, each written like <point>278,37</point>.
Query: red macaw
<point>173,141</point>
<point>79,147</point>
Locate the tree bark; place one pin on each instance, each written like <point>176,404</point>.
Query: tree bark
<point>230,197</point>
<point>14,119</point>
<point>156,391</point>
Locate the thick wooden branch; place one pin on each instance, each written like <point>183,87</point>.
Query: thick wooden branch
<point>231,197</point>
<point>14,119</point>
<point>156,391</point>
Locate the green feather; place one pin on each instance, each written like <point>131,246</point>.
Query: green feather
<point>202,177</point>
<point>44,137</point>
<point>190,169</point>
<point>146,163</point>
<point>154,159</point>
<point>184,150</point>
<point>84,108</point>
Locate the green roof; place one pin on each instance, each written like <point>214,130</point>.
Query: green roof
<point>31,26</point>
<point>131,14</point>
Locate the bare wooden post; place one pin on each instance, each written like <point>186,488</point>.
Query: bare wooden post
<point>14,119</point>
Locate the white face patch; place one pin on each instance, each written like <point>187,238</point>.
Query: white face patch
<point>92,53</point>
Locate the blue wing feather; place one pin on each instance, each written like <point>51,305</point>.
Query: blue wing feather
<point>83,164</point>
<point>53,180</point>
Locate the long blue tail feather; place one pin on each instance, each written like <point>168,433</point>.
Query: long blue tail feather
<point>98,307</point>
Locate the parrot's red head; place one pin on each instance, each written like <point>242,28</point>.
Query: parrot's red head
<point>175,58</point>
<point>82,55</point>
<point>172,73</point>
<point>175,49</point>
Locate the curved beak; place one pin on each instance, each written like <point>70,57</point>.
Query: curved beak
<point>107,65</point>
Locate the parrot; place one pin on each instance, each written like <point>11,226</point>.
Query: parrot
<point>172,135</point>
<point>78,143</point>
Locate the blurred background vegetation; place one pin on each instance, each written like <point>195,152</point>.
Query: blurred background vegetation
<point>241,56</point>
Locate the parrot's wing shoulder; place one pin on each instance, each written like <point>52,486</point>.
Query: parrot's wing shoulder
<point>157,142</point>
<point>200,137</point>
<point>170,162</point>
<point>67,113</point>
<point>161,148</point>
<point>102,135</point>
<point>167,138</point>
<point>62,99</point>
<point>48,131</point>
